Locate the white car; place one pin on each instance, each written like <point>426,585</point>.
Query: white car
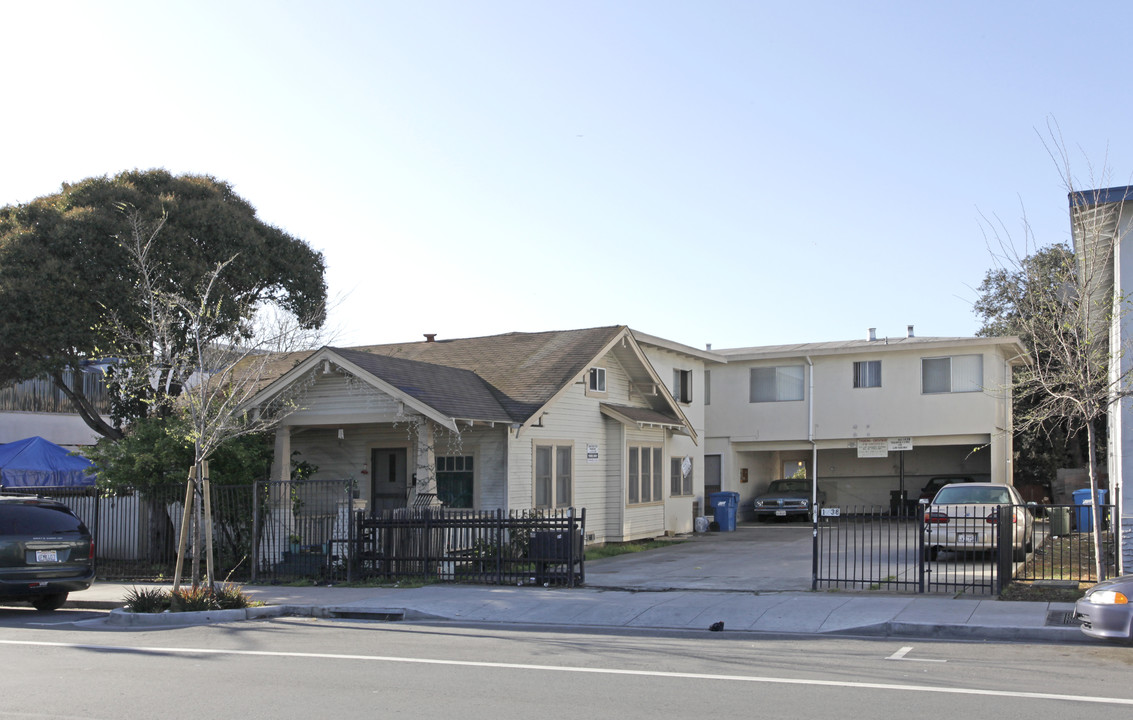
<point>965,518</point>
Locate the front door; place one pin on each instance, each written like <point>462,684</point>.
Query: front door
<point>390,486</point>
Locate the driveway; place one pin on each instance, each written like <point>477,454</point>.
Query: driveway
<point>754,558</point>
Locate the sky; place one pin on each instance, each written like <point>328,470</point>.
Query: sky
<point>726,173</point>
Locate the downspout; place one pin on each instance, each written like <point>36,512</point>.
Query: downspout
<point>814,476</point>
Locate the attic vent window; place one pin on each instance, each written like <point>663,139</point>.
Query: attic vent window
<point>597,382</point>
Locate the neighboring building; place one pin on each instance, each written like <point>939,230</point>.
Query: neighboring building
<point>37,408</point>
<point>868,418</point>
<point>1101,223</point>
<point>524,420</point>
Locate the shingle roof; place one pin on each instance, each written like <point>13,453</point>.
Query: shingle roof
<point>523,370</point>
<point>455,392</point>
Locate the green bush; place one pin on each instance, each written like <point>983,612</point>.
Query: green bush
<point>155,600</point>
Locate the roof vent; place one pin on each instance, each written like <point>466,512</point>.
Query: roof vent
<point>708,346</point>
<point>909,333</point>
<point>872,334</point>
<point>430,337</point>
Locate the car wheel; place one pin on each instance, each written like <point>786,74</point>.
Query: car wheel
<point>1019,554</point>
<point>933,552</point>
<point>49,602</point>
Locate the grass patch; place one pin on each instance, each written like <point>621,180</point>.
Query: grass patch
<point>1038,592</point>
<point>614,549</point>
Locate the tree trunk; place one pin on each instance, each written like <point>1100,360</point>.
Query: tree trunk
<point>84,407</point>
<point>1095,505</point>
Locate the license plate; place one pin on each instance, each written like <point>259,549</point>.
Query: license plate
<point>968,537</point>
<point>46,556</point>
<point>781,513</point>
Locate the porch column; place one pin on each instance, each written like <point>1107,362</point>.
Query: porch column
<point>426,459</point>
<point>281,462</point>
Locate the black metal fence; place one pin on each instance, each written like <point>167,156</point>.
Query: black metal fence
<point>543,547</point>
<point>968,549</point>
<point>274,532</point>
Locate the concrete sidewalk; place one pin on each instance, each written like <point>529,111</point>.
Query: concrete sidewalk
<point>685,610</point>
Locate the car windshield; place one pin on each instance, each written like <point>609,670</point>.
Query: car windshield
<point>789,486</point>
<point>967,495</point>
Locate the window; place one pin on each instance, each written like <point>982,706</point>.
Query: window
<point>554,469</point>
<point>682,385</point>
<point>644,481</point>
<point>957,374</point>
<point>867,374</point>
<point>455,481</point>
<point>777,384</point>
<point>680,476</point>
<point>707,387</point>
<point>597,380</point>
<point>794,469</point>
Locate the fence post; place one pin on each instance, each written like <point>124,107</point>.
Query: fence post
<point>922,549</point>
<point>255,528</point>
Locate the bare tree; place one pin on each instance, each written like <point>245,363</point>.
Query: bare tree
<point>206,369</point>
<point>1064,308</point>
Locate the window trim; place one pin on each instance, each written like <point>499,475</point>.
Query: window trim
<point>952,374</point>
<point>555,446</point>
<point>752,386</point>
<point>657,477</point>
<point>597,376</point>
<point>683,486</point>
<point>682,386</point>
<point>474,471</point>
<point>858,374</point>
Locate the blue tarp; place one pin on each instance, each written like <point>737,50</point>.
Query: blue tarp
<point>36,462</point>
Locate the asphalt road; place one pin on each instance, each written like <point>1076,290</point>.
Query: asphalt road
<point>307,668</point>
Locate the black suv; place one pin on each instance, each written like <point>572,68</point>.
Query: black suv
<point>45,552</point>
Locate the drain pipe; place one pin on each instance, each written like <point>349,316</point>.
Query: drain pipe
<point>814,475</point>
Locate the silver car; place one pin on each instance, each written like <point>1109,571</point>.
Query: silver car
<point>1106,610</point>
<point>965,518</point>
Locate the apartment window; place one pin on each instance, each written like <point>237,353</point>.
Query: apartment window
<point>644,481</point>
<point>597,381</point>
<point>680,476</point>
<point>707,387</point>
<point>956,374</point>
<point>682,385</point>
<point>867,374</point>
<point>777,384</point>
<point>455,481</point>
<point>554,470</point>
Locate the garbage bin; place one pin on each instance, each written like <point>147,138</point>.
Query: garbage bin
<point>724,506</point>
<point>1084,514</point>
<point>1059,521</point>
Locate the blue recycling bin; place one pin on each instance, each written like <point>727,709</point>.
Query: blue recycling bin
<point>724,506</point>
<point>1084,513</point>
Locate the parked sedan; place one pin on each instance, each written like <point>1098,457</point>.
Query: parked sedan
<point>785,498</point>
<point>45,552</point>
<point>965,518</point>
<point>1106,610</point>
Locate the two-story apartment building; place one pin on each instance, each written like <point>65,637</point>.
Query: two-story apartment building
<point>867,418</point>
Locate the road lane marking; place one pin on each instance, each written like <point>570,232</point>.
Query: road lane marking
<point>900,655</point>
<point>571,669</point>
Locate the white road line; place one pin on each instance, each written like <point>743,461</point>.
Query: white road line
<point>900,655</point>
<point>594,671</point>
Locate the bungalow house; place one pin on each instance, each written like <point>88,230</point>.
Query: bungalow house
<point>873,420</point>
<point>578,418</point>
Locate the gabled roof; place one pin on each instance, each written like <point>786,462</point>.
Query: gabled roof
<point>497,378</point>
<point>526,370</point>
<point>457,393</point>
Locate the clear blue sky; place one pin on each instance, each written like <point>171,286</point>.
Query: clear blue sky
<point>734,173</point>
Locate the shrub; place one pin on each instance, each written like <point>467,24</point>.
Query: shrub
<point>155,600</point>
<point>147,600</point>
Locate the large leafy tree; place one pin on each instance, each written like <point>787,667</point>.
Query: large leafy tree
<point>70,292</point>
